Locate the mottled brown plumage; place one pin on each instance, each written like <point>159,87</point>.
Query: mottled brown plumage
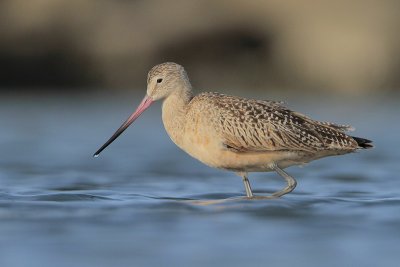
<point>249,125</point>
<point>239,134</point>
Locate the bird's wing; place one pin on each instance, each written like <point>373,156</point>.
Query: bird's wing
<point>247,125</point>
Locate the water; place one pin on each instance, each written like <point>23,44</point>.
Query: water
<point>130,207</point>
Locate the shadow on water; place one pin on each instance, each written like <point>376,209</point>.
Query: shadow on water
<point>216,201</point>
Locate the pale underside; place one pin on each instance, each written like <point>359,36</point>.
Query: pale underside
<point>251,135</point>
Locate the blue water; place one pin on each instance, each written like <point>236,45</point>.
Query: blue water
<point>132,205</point>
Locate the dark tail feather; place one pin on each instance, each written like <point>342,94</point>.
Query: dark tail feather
<point>363,143</point>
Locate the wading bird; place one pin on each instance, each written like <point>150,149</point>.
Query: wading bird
<point>238,134</point>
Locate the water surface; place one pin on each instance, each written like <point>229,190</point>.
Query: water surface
<point>132,205</point>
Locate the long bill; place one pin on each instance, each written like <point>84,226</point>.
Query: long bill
<point>146,102</point>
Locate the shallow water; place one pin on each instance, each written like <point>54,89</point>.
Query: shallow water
<point>132,205</point>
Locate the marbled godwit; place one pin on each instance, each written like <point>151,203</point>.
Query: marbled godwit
<point>238,134</point>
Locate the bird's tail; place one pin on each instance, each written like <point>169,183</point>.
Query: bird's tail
<point>363,143</point>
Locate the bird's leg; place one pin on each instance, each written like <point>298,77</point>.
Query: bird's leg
<point>246,182</point>
<point>291,182</point>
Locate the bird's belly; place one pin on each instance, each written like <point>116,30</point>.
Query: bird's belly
<point>211,152</point>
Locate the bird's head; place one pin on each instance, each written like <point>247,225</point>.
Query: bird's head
<point>165,78</point>
<point>162,80</point>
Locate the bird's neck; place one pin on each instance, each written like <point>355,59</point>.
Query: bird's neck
<point>174,112</point>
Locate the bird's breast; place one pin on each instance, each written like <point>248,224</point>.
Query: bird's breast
<point>206,145</point>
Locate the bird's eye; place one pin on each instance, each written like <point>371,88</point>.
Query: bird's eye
<point>159,80</point>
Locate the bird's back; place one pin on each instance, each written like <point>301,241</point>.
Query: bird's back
<point>248,125</point>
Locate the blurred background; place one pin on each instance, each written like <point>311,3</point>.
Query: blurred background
<point>73,70</point>
<point>336,46</point>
